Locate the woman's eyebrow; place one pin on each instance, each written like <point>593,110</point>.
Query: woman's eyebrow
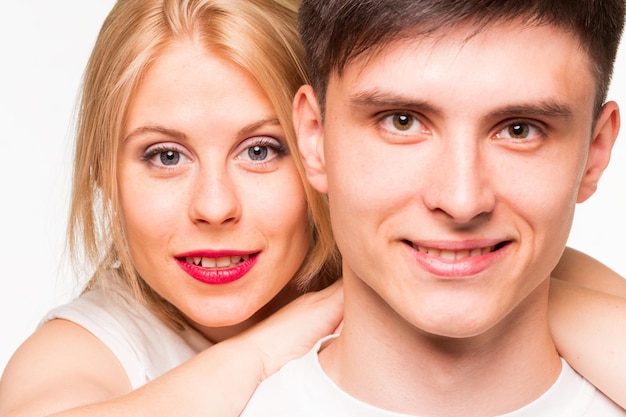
<point>250,128</point>
<point>156,129</point>
<point>180,136</point>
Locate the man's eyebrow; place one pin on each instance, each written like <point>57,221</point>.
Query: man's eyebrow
<point>547,108</point>
<point>180,136</point>
<point>376,98</point>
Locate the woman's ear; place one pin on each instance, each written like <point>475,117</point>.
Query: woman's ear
<point>604,136</point>
<point>310,133</point>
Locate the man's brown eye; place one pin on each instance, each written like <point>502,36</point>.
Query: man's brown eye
<point>402,121</point>
<point>519,130</point>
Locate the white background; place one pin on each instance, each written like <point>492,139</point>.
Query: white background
<point>44,46</point>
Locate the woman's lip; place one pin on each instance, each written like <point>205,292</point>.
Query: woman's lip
<point>209,253</point>
<point>217,276</point>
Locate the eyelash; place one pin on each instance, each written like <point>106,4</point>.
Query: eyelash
<point>539,131</point>
<point>158,149</point>
<point>386,120</point>
<point>536,131</point>
<point>273,144</point>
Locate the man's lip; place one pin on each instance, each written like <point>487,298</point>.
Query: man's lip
<point>458,245</point>
<point>458,259</point>
<point>453,251</point>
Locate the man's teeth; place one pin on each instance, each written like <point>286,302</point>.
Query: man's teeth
<point>452,255</point>
<point>223,262</point>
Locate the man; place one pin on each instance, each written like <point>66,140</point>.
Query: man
<point>454,140</point>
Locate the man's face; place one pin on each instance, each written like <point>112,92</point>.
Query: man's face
<point>453,168</point>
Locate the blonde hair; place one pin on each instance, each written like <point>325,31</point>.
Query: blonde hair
<point>258,35</point>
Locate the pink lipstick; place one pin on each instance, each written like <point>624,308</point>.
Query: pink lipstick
<point>217,267</point>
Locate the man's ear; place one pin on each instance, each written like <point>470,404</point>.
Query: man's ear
<point>604,135</point>
<point>310,133</point>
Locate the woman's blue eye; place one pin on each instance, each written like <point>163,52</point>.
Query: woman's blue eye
<point>258,152</point>
<point>164,155</point>
<point>170,158</point>
<point>261,150</point>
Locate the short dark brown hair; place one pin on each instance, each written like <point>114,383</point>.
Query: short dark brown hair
<point>334,32</point>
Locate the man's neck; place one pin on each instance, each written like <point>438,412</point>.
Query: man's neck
<point>386,362</point>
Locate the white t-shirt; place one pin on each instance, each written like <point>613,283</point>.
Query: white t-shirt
<point>302,389</point>
<point>145,345</point>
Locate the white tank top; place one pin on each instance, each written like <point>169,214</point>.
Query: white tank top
<point>143,343</point>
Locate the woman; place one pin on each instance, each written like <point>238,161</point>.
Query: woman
<point>189,205</point>
<point>186,197</point>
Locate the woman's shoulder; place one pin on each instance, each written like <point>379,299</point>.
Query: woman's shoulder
<point>143,343</point>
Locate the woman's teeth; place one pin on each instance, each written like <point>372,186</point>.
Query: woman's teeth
<point>223,262</point>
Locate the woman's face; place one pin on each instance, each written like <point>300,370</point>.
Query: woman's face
<point>214,209</point>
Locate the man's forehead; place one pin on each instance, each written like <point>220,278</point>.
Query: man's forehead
<point>533,67</point>
<point>462,32</point>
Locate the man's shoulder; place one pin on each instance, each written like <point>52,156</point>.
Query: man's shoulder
<point>572,395</point>
<point>301,388</point>
<point>284,392</point>
<point>296,389</point>
<point>599,405</point>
